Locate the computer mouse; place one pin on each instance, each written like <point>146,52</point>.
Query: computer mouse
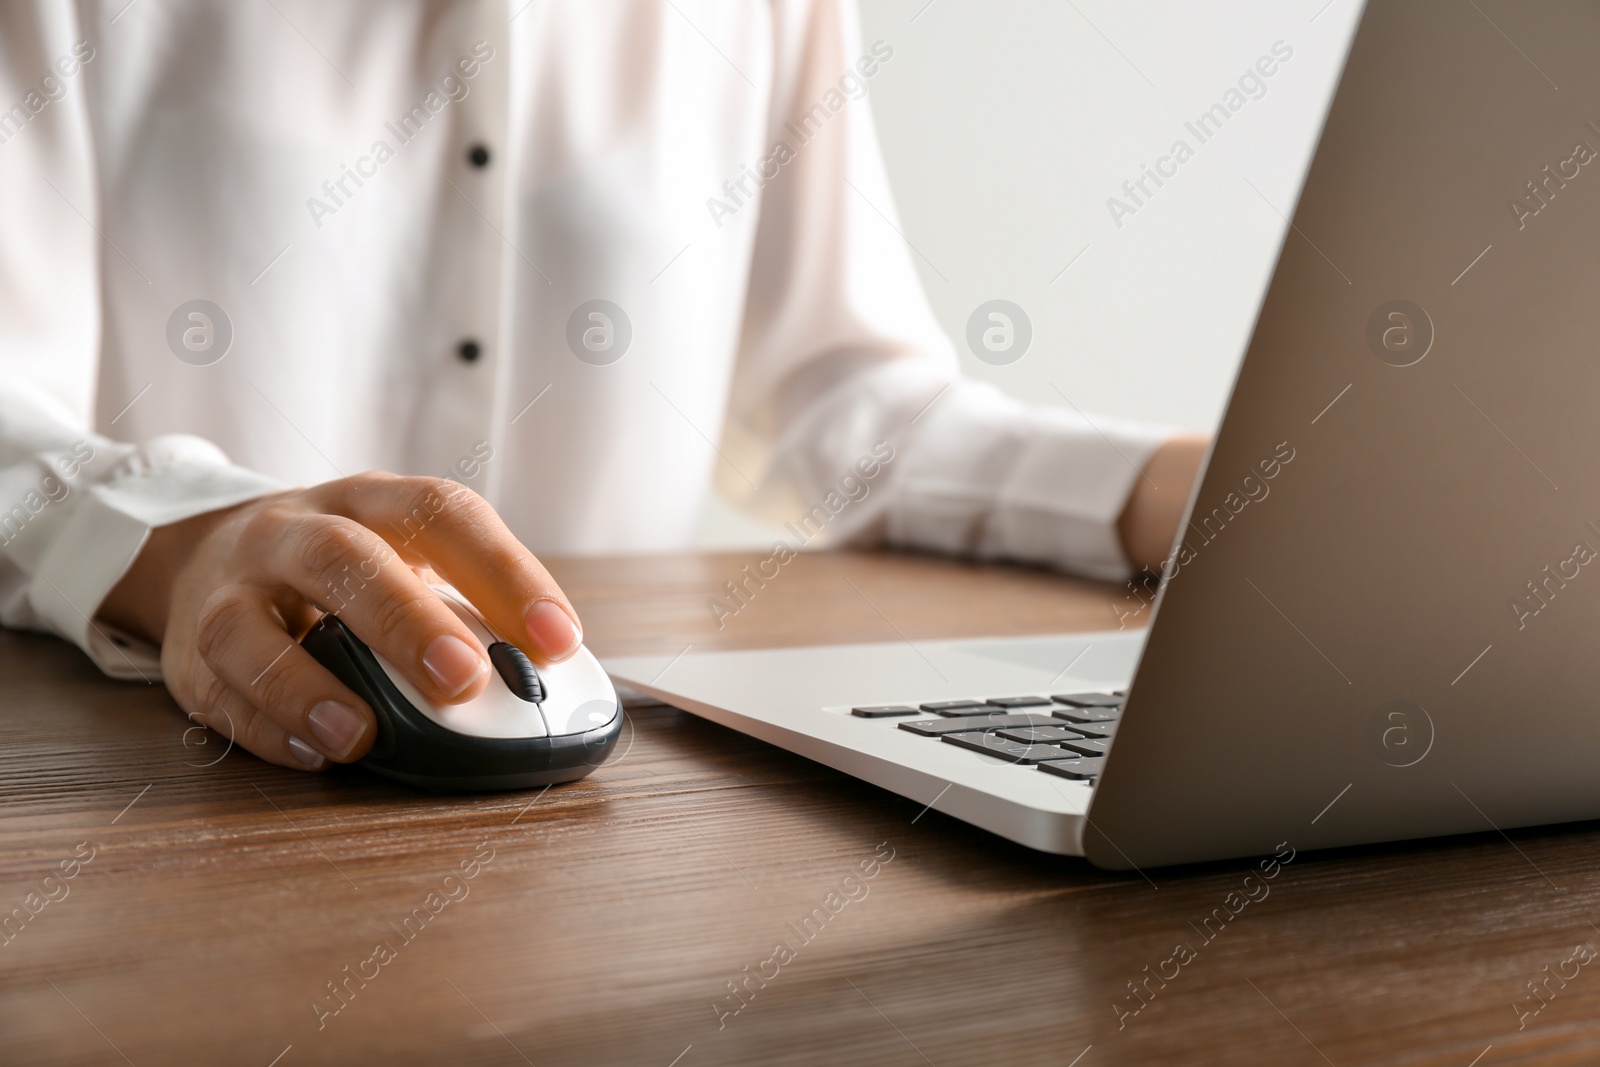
<point>532,726</point>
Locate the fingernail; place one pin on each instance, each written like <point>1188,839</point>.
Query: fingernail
<point>337,726</point>
<point>552,631</point>
<point>453,663</point>
<point>309,757</point>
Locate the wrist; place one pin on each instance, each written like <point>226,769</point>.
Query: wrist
<point>140,601</point>
<point>1148,526</point>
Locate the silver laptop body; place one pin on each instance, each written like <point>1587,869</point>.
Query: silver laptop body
<point>1382,620</point>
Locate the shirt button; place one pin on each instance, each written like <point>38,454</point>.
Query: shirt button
<point>469,351</point>
<point>478,155</point>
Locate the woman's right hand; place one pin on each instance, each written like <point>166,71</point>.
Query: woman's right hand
<point>228,594</point>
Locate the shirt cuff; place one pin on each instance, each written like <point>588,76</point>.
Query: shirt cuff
<point>171,479</point>
<point>990,476</point>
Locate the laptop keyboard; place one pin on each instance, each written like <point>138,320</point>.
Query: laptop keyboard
<point>1067,734</point>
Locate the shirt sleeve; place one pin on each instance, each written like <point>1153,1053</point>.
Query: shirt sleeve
<point>842,362</point>
<point>78,507</point>
<point>75,506</point>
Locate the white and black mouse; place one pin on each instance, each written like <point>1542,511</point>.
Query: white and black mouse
<point>533,726</point>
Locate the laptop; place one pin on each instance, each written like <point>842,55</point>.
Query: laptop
<point>1382,618</point>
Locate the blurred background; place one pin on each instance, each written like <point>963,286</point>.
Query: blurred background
<point>1006,128</point>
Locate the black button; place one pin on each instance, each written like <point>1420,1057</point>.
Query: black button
<point>518,671</point>
<point>948,705</point>
<point>1082,770</point>
<point>469,351</point>
<point>1089,700</point>
<point>883,711</point>
<point>478,155</point>
<point>1085,714</point>
<point>1040,735</point>
<point>995,745</point>
<point>940,727</point>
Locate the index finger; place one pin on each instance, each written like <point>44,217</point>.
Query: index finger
<point>454,530</point>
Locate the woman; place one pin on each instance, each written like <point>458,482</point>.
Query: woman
<point>568,264</point>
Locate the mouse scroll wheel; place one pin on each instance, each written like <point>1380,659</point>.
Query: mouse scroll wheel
<point>518,671</point>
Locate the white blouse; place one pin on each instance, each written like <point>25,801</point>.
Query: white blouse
<point>592,258</point>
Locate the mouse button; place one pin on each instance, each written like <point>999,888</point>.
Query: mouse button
<point>518,671</point>
<point>591,715</point>
<point>580,696</point>
<point>497,713</point>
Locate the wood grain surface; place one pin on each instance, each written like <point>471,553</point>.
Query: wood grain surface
<point>213,897</point>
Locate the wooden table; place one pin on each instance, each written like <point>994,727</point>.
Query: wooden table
<point>223,896</point>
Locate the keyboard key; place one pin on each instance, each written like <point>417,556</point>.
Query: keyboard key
<point>1089,746</point>
<point>1082,770</point>
<point>940,727</point>
<point>884,711</point>
<point>1092,729</point>
<point>1041,735</point>
<point>993,745</point>
<point>948,706</point>
<point>1086,714</point>
<point>1018,702</point>
<point>974,709</point>
<point>1089,700</point>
